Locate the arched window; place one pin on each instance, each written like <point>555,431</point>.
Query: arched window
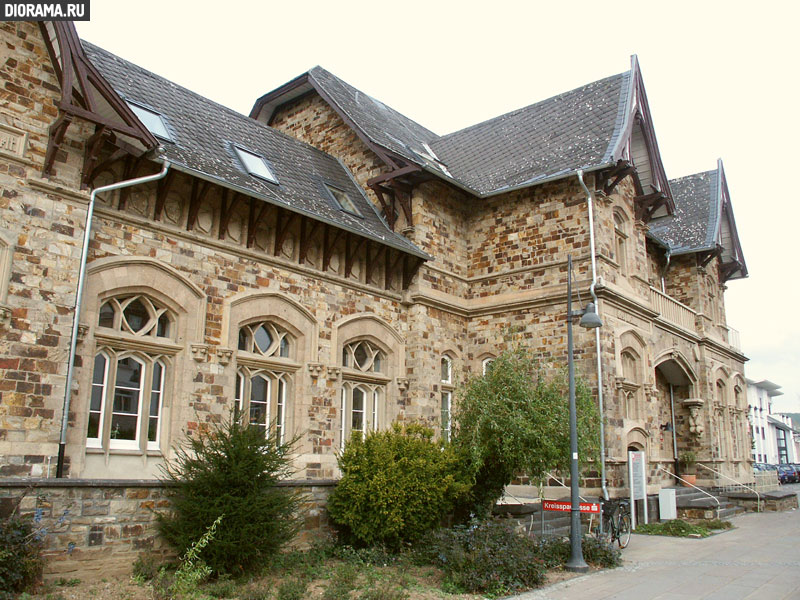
<point>265,360</point>
<point>631,384</point>
<point>131,366</point>
<point>620,242</point>
<point>486,364</point>
<point>446,365</point>
<point>363,387</point>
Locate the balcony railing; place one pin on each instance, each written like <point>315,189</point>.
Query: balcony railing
<point>673,311</point>
<point>733,339</point>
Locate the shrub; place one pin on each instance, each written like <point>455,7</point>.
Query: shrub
<point>515,420</point>
<point>395,486</point>
<point>484,557</point>
<point>232,470</point>
<point>675,528</point>
<point>292,589</point>
<point>21,561</point>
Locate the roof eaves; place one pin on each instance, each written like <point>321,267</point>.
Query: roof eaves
<point>622,125</point>
<point>410,248</point>
<point>563,174</point>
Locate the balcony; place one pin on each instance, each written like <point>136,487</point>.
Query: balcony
<point>673,311</point>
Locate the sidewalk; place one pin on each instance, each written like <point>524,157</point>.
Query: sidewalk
<point>759,559</point>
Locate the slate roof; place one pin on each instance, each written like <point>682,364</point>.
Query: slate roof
<point>579,129</point>
<point>204,134</point>
<point>575,130</point>
<point>694,225</point>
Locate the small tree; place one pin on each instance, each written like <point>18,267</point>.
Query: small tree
<point>514,420</point>
<point>233,470</point>
<point>396,485</point>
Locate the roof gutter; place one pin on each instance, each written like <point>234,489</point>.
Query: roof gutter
<point>62,444</point>
<point>593,292</point>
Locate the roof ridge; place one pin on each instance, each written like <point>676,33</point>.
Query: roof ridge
<point>527,107</point>
<point>676,179</point>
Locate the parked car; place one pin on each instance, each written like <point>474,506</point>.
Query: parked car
<point>786,474</point>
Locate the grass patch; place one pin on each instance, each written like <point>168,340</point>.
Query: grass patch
<point>681,528</point>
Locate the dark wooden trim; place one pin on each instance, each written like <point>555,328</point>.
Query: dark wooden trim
<point>403,195</point>
<point>199,190</point>
<point>353,245</point>
<point>226,211</point>
<point>55,138</point>
<point>254,218</point>
<point>131,166</point>
<point>388,210</point>
<point>393,174</point>
<point>306,235</point>
<point>92,151</point>
<point>162,191</point>
<point>329,244</point>
<point>283,220</point>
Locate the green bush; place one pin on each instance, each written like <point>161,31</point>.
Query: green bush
<point>395,486</point>
<point>486,557</point>
<point>555,552</point>
<point>515,420</point>
<point>675,528</point>
<point>21,562</point>
<point>232,470</point>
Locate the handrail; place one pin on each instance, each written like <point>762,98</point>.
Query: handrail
<point>758,496</point>
<point>562,484</point>
<point>660,468</point>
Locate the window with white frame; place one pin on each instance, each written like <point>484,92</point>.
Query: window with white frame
<point>264,376</point>
<point>363,388</point>
<point>130,371</point>
<point>486,365</point>
<point>446,396</point>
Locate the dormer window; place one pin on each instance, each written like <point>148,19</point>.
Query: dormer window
<point>152,120</point>
<point>256,165</point>
<point>343,200</point>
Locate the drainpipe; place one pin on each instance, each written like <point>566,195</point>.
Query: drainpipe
<point>664,274</point>
<point>593,292</point>
<point>674,434</point>
<point>62,444</point>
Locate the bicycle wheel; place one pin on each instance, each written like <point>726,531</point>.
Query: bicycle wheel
<point>605,536</point>
<point>624,532</point>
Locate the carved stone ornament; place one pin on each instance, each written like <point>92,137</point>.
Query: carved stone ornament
<point>334,372</point>
<point>224,356</point>
<point>199,352</point>
<point>315,369</point>
<point>402,383</point>
<point>695,418</point>
<point>82,331</point>
<point>5,315</point>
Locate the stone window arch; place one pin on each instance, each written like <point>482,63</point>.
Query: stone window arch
<point>722,413</point>
<point>631,384</point>
<point>371,355</point>
<point>137,338</point>
<point>486,364</point>
<point>272,337</point>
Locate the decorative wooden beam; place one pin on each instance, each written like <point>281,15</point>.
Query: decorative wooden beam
<point>331,238</point>
<point>619,173</point>
<point>403,195</point>
<point>393,174</point>
<point>131,165</point>
<point>411,265</point>
<point>162,191</point>
<point>56,137</point>
<point>91,152</point>
<point>226,211</point>
<point>283,221</point>
<point>308,228</point>
<point>258,208</point>
<point>391,267</point>
<point>388,210</point>
<point>353,244</point>
<point>199,191</point>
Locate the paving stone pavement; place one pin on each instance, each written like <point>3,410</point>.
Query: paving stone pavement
<point>759,559</point>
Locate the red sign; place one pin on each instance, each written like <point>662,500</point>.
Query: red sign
<point>586,507</point>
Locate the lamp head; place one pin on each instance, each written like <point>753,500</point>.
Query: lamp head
<point>590,318</point>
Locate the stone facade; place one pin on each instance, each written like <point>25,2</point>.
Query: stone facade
<point>497,277</point>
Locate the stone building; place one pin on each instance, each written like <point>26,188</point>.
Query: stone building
<point>327,265</point>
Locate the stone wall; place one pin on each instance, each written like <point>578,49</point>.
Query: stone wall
<point>98,528</point>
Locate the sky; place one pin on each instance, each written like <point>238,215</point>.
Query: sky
<point>721,80</point>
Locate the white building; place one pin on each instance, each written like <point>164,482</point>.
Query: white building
<point>773,439</point>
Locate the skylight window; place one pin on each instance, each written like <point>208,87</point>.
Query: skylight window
<point>152,120</point>
<point>343,200</point>
<point>255,165</point>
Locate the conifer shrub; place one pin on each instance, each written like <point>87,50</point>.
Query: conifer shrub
<point>21,562</point>
<point>232,469</point>
<point>395,486</point>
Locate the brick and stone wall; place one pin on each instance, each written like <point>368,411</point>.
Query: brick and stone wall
<point>98,528</point>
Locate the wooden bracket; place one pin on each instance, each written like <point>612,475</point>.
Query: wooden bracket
<point>55,138</point>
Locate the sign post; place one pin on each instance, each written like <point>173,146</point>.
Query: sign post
<point>637,478</point>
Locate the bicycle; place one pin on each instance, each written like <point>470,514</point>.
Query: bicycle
<point>616,522</point>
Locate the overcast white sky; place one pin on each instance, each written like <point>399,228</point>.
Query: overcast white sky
<point>721,79</point>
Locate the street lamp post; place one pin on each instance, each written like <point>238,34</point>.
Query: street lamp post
<point>589,320</point>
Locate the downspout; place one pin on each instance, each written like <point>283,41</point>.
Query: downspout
<point>62,444</point>
<point>664,273</point>
<point>593,292</point>
<point>674,434</point>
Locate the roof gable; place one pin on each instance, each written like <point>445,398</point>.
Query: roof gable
<point>703,221</point>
